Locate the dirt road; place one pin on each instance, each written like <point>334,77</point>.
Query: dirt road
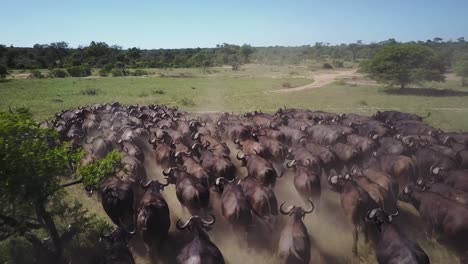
<point>321,78</point>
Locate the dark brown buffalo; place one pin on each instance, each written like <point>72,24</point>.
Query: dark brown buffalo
<point>324,134</point>
<point>364,144</point>
<point>444,219</point>
<point>234,204</point>
<point>115,250</point>
<point>153,220</point>
<point>215,144</point>
<point>327,158</point>
<point>444,190</point>
<point>390,244</point>
<point>259,168</point>
<point>292,136</point>
<point>402,169</point>
<point>100,146</point>
<point>200,249</point>
<point>355,202</point>
<point>133,150</point>
<point>391,146</point>
<point>117,200</point>
<point>193,167</point>
<point>306,181</point>
<point>190,192</point>
<point>303,154</point>
<point>294,243</point>
<point>393,116</point>
<point>457,179</point>
<point>261,199</point>
<point>347,154</point>
<point>377,193</point>
<point>426,158</point>
<point>164,153</point>
<point>251,146</point>
<point>382,179</point>
<point>215,165</point>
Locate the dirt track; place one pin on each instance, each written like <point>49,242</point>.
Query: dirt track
<point>321,79</point>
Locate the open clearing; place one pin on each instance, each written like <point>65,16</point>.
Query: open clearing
<point>322,79</point>
<point>220,89</point>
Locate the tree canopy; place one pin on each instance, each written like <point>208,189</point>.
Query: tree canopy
<point>34,166</point>
<point>403,64</point>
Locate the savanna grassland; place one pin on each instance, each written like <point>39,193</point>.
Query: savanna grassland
<point>255,87</point>
<point>220,89</point>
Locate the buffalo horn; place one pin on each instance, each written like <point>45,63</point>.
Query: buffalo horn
<point>312,207</point>
<point>241,157</point>
<point>213,220</point>
<point>290,208</point>
<point>290,164</point>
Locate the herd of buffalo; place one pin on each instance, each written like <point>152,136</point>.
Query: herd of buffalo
<point>371,162</point>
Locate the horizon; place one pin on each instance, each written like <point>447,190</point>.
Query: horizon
<point>161,25</point>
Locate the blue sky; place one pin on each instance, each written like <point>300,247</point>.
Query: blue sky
<point>181,24</point>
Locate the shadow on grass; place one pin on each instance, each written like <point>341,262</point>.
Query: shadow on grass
<point>2,80</point>
<point>426,92</point>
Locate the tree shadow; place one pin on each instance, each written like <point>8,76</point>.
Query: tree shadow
<point>426,92</point>
<point>2,80</point>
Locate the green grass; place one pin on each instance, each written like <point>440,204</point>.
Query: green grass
<point>237,91</point>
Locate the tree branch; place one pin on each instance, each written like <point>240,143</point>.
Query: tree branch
<point>80,180</point>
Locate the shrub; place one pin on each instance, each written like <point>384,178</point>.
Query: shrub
<point>286,85</point>
<point>79,71</point>
<point>338,64</point>
<point>117,72</point>
<point>89,91</point>
<point>187,101</point>
<point>158,91</point>
<point>3,71</point>
<point>138,72</point>
<point>58,73</point>
<point>36,74</point>
<point>363,102</point>
<point>103,72</point>
<point>340,82</point>
<point>327,66</point>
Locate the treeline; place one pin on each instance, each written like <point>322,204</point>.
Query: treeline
<point>102,55</point>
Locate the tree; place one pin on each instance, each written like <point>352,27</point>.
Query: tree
<point>31,161</point>
<point>246,51</point>
<point>402,64</point>
<point>461,69</point>
<point>3,71</point>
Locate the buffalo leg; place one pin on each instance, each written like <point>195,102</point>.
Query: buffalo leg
<point>355,240</point>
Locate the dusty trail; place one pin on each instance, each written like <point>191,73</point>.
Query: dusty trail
<point>321,79</point>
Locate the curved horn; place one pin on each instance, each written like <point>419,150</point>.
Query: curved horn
<point>195,146</point>
<point>242,157</point>
<point>290,208</point>
<point>145,185</point>
<point>167,173</point>
<point>434,170</point>
<point>312,207</point>
<point>213,220</point>
<point>182,227</point>
<point>290,164</point>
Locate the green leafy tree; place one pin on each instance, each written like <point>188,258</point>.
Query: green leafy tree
<point>31,162</point>
<point>403,64</point>
<point>246,51</point>
<point>3,71</point>
<point>461,70</point>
